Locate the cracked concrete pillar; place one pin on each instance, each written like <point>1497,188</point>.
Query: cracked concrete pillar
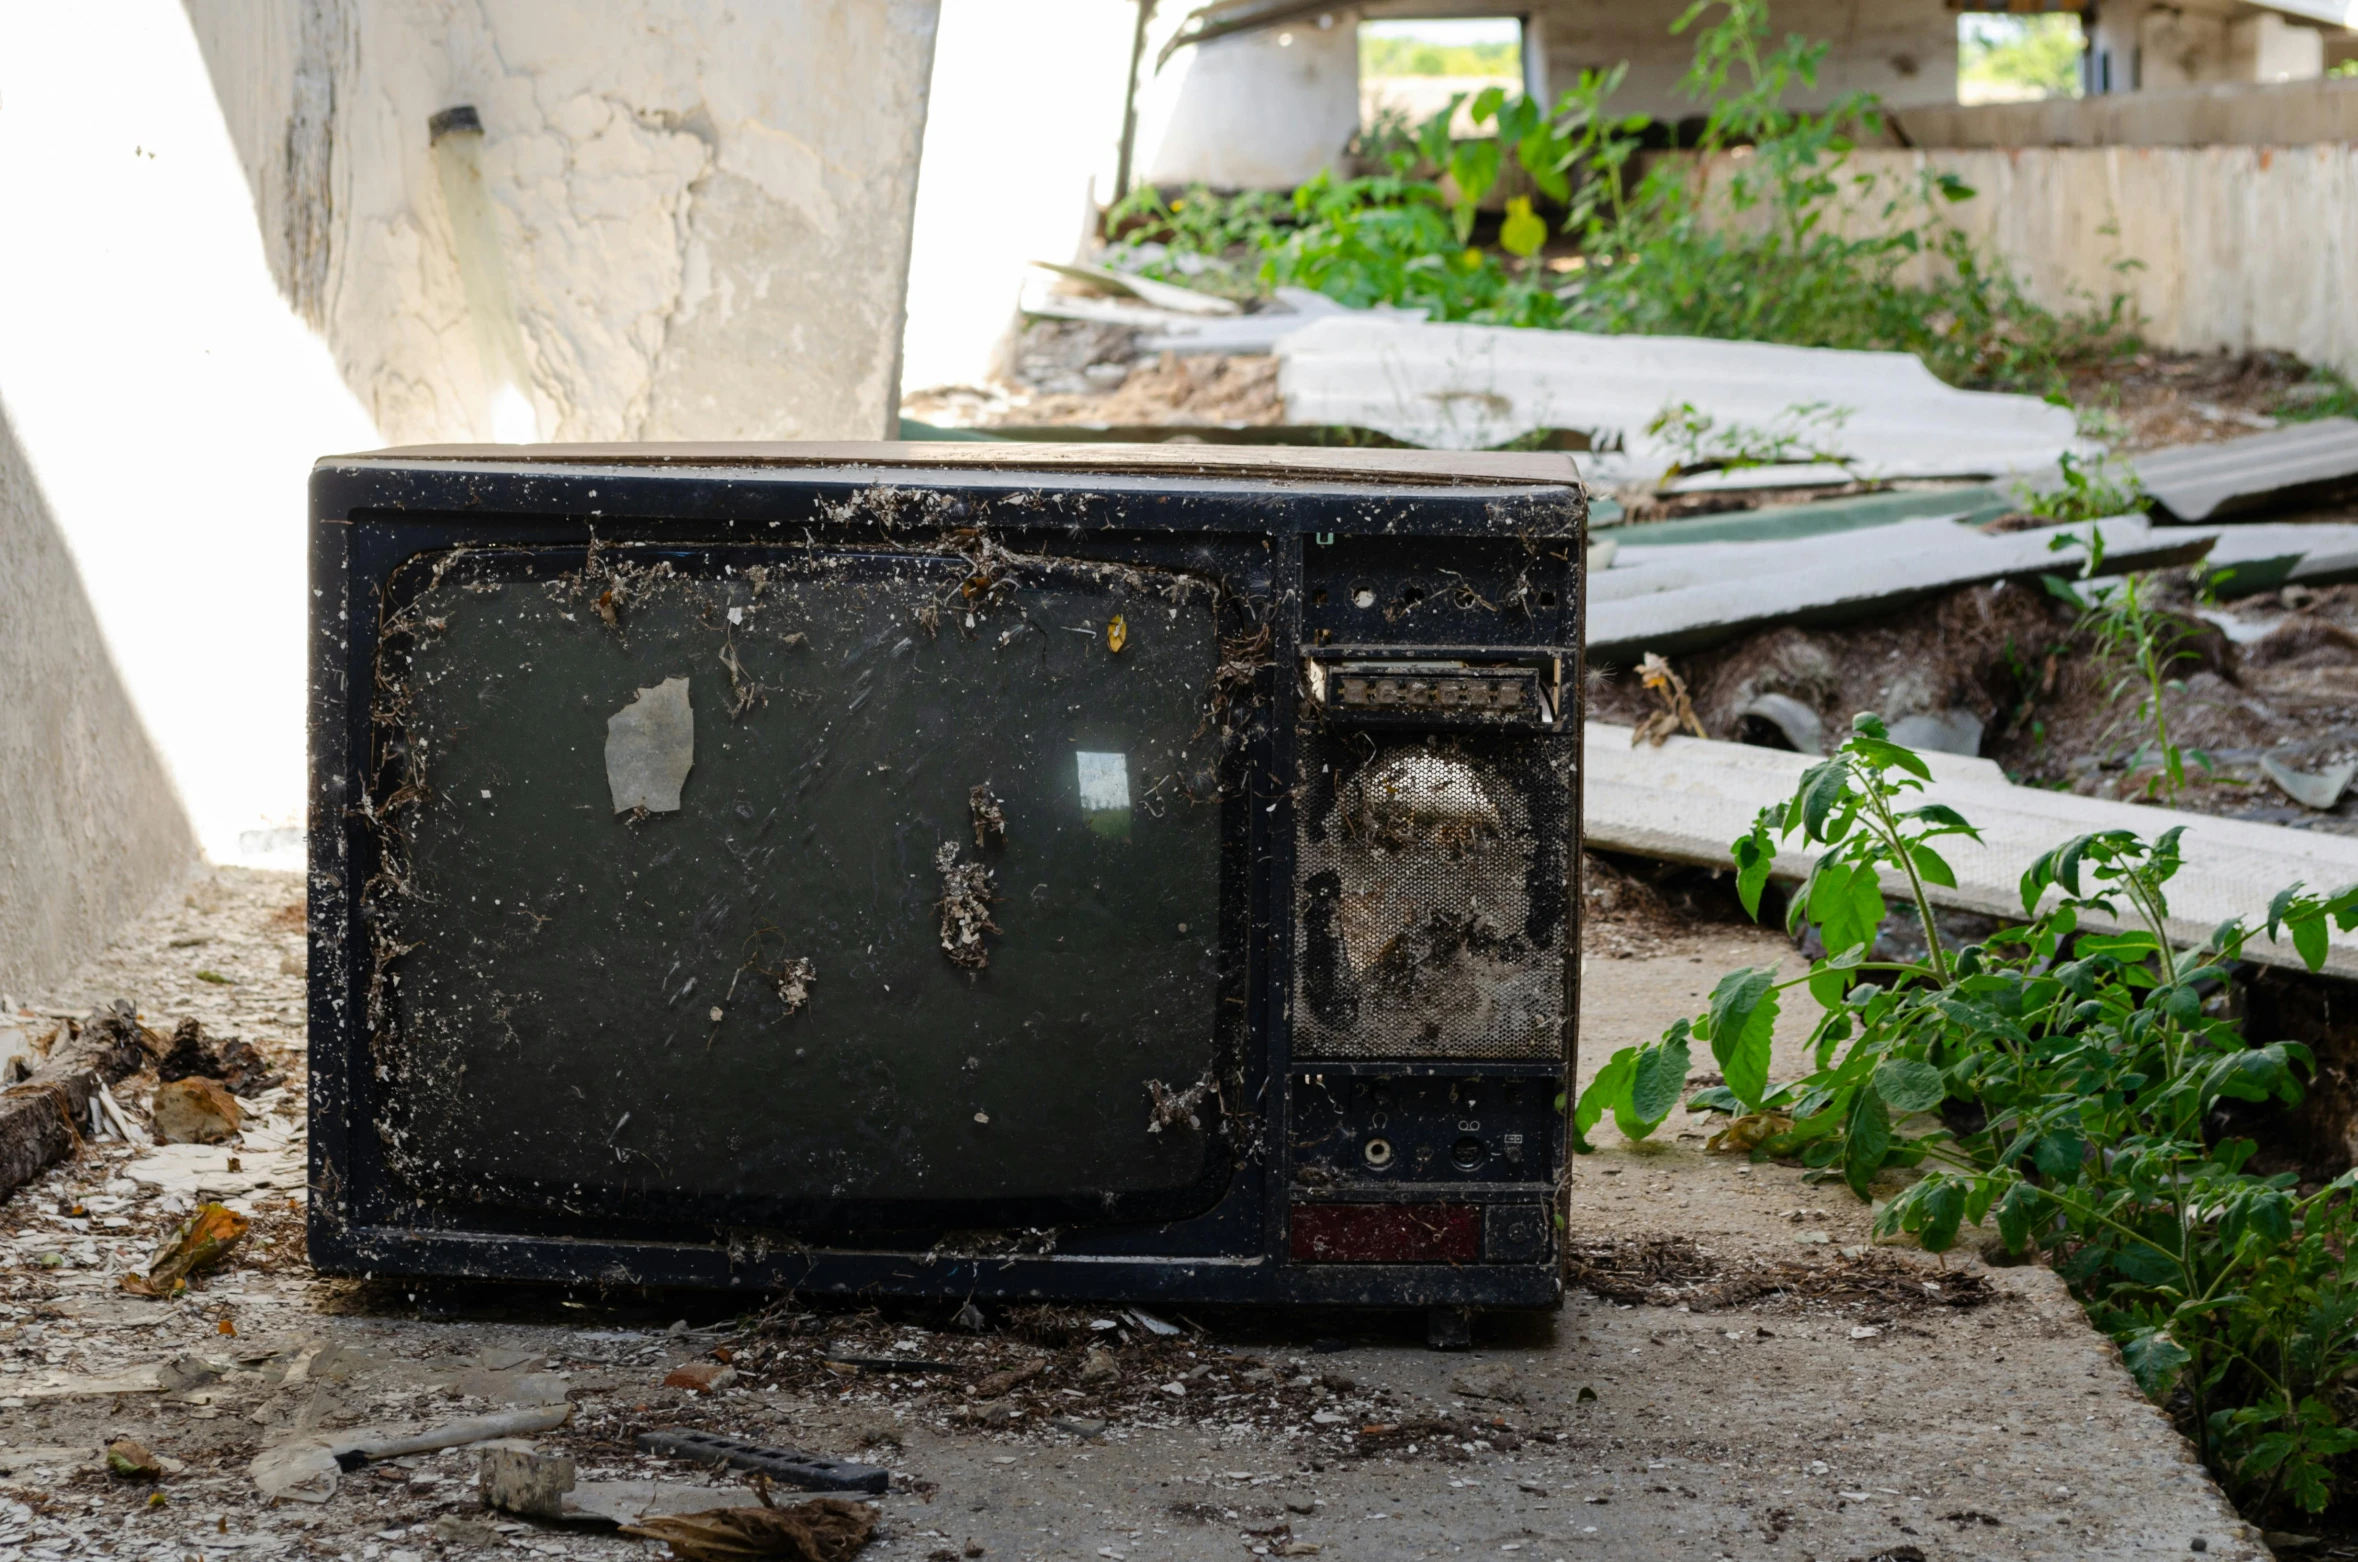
<point>703,209</point>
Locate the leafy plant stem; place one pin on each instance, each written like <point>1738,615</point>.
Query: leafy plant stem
<point>1888,828</point>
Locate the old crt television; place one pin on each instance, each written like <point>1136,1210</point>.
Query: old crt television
<point>1136,873</point>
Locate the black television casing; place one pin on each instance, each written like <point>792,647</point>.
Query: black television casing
<point>1283,752</point>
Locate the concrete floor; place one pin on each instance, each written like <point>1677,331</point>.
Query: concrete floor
<point>1769,1431</point>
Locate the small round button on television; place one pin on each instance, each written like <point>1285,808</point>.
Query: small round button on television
<point>1378,1153</point>
<point>1469,1153</point>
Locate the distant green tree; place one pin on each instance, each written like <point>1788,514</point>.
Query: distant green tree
<point>1390,55</point>
<point>2021,54</point>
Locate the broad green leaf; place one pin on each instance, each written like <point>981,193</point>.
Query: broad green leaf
<point>1539,151</point>
<point>1932,866</point>
<point>2124,946</point>
<point>1755,855</point>
<point>2153,1359</point>
<point>1947,820</point>
<point>1609,1091</point>
<point>2143,1265</point>
<point>2018,1214</point>
<point>1743,1018</point>
<point>1943,1207</point>
<point>2067,863</point>
<point>2309,940</point>
<point>2059,1155</point>
<point>1866,1140</point>
<point>1829,901</point>
<point>1821,788</point>
<point>1866,907</point>
<point>1657,1078</point>
<point>1889,756</point>
<point>1715,1098</point>
<point>1908,1085</point>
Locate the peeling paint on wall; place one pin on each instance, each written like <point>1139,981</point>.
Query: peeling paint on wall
<point>705,210</point>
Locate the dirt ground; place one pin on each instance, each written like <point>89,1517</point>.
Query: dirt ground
<point>1746,1377</point>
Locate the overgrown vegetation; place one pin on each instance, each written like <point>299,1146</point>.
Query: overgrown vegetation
<point>1786,243</point>
<point>2062,1083</point>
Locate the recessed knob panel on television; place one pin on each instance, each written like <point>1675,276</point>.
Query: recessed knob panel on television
<point>1029,871</point>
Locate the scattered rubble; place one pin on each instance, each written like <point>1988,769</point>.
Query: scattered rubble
<point>241,1070</point>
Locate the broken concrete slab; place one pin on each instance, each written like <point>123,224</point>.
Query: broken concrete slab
<point>1262,330</point>
<point>1652,403</point>
<point>1688,799</point>
<point>2255,556</point>
<point>2258,473</point>
<point>1146,290</point>
<point>1672,600</point>
<point>1971,503</point>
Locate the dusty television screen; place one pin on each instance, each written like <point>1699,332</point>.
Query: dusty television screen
<point>794,886</point>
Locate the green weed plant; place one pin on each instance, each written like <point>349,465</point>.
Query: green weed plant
<point>2062,1081</point>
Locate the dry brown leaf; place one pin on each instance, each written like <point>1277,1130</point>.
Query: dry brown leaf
<point>825,1529</point>
<point>1750,1132</point>
<point>1678,710</point>
<point>203,1240</point>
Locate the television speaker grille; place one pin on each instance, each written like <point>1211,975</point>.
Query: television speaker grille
<point>1431,902</point>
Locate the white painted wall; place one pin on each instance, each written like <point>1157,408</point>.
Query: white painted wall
<point>2158,45</point>
<point>2236,247</point>
<point>704,205</point>
<point>1905,50</point>
<point>167,401</point>
<point>1021,139</point>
